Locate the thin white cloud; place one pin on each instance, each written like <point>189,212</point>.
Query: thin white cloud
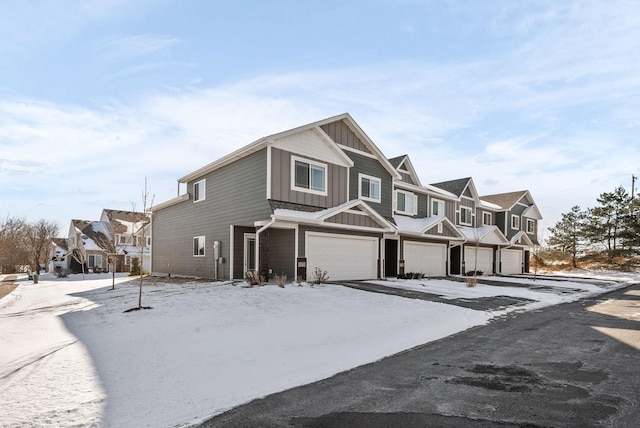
<point>123,47</point>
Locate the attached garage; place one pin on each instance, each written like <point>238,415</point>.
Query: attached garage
<point>428,258</point>
<point>344,257</point>
<point>484,262</point>
<point>511,261</point>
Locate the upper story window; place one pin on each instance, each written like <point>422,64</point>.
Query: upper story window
<point>308,176</point>
<point>515,222</point>
<point>466,216</point>
<point>199,190</point>
<point>531,226</point>
<point>437,207</point>
<point>369,188</point>
<point>406,203</point>
<point>487,219</point>
<point>198,246</point>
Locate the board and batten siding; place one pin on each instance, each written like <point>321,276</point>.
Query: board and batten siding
<point>235,194</point>
<point>281,188</point>
<point>516,210</point>
<point>341,133</point>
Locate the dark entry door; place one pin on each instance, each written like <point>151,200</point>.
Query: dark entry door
<point>455,258</point>
<point>390,257</point>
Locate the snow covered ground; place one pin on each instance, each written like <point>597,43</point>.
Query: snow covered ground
<point>71,356</point>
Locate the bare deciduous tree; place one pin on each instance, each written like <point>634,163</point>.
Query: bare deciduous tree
<point>38,239</point>
<point>144,219</point>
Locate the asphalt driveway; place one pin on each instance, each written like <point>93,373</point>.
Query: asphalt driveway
<point>571,365</point>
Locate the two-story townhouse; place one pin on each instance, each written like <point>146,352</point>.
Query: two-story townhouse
<point>475,219</point>
<point>131,237</point>
<point>317,196</point>
<point>323,196</point>
<point>517,216</point>
<point>423,232</point>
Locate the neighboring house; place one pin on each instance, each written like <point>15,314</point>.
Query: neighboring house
<point>320,196</point>
<point>131,237</point>
<point>59,255</point>
<point>87,242</point>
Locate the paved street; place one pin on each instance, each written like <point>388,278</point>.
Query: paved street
<point>572,365</point>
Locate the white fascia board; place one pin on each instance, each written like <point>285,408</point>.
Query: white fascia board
<point>371,145</point>
<point>426,190</point>
<point>409,167</point>
<point>171,202</point>
<point>232,157</point>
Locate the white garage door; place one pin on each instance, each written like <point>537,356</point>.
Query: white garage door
<point>485,260</point>
<point>430,259</point>
<point>511,261</point>
<point>342,256</point>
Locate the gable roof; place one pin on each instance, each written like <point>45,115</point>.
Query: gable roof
<point>508,200</point>
<point>484,235</point>
<point>315,127</point>
<point>124,221</point>
<point>403,163</point>
<point>419,226</point>
<point>97,233</point>
<point>320,217</point>
<point>457,187</point>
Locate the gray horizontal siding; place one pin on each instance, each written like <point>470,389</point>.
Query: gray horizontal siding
<point>235,194</point>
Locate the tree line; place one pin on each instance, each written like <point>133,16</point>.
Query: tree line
<point>24,244</point>
<point>611,228</point>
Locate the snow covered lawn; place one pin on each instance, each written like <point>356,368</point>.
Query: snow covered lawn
<point>72,357</point>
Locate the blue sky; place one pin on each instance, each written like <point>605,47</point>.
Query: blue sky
<point>94,96</point>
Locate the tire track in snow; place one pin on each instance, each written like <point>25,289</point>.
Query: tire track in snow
<point>15,366</point>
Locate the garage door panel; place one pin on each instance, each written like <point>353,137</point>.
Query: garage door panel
<point>343,257</point>
<point>511,261</point>
<point>427,258</point>
<point>484,259</point>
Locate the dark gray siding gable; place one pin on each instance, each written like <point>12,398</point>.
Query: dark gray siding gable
<point>372,167</point>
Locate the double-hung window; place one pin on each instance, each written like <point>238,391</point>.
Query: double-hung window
<point>308,176</point>
<point>466,216</point>
<point>406,203</point>
<point>198,246</point>
<point>369,188</point>
<point>487,219</point>
<point>437,208</point>
<point>515,222</point>
<point>199,190</point>
<point>531,226</point>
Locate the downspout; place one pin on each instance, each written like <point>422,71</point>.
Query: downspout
<point>258,232</point>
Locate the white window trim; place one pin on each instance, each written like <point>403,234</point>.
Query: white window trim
<point>204,245</point>
<point>515,222</point>
<point>533,228</point>
<point>370,178</point>
<point>410,195</point>
<point>470,223</point>
<point>202,194</point>
<point>485,213</point>
<point>440,228</point>
<point>310,162</point>
<point>439,202</point>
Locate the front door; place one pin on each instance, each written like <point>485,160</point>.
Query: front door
<point>390,258</point>
<point>249,252</point>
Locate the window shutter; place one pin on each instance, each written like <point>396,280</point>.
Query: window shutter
<point>415,204</point>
